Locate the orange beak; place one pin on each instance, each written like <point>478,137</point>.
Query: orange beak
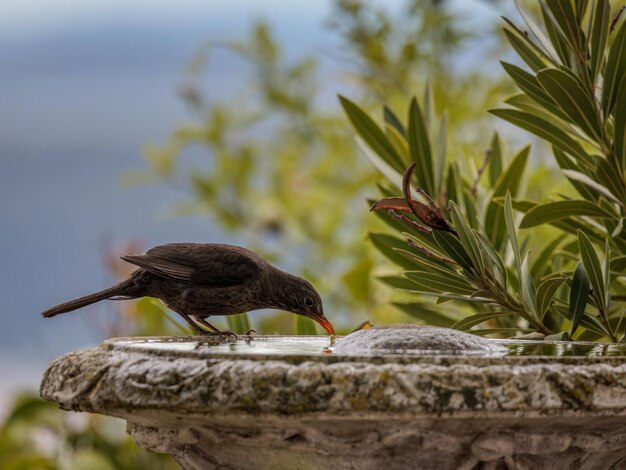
<point>321,319</point>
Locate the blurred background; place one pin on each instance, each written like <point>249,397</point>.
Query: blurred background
<point>124,125</point>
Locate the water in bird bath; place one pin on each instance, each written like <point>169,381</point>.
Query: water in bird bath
<point>321,346</point>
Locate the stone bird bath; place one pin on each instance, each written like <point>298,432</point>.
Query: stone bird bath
<point>395,398</point>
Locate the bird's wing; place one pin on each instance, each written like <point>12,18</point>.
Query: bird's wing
<point>213,265</point>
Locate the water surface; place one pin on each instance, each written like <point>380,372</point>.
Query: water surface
<point>321,346</point>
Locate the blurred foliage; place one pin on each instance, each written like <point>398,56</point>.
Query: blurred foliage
<point>38,435</point>
<point>276,165</point>
<point>464,246</point>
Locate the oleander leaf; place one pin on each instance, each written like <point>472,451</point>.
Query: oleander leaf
<point>599,35</point>
<point>426,313</point>
<point>419,147</point>
<point>544,129</point>
<point>369,131</point>
<point>451,246</point>
<point>530,85</point>
<point>392,119</point>
<point>509,181</point>
<point>387,244</point>
<point>565,16</point>
<point>620,126</point>
<point>546,291</point>
<point>593,268</point>
<point>572,98</point>
<point>468,322</point>
<point>557,210</point>
<point>615,70</point>
<point>467,237</point>
<point>579,296</point>
<point>437,282</point>
<point>535,58</point>
<point>495,159</point>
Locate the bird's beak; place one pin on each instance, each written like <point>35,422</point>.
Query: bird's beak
<point>322,320</point>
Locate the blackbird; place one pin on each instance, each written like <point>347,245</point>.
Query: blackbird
<point>199,280</point>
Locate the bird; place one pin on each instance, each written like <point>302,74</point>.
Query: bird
<point>199,280</point>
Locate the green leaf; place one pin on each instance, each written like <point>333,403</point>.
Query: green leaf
<point>442,144</point>
<point>594,270</point>
<point>618,264</point>
<point>557,210</point>
<point>397,282</point>
<point>591,183</point>
<point>495,159</point>
<point>467,238</point>
<point>548,47</point>
<point>453,183</point>
<point>599,34</point>
<point>609,177</point>
<point>543,129</point>
<point>461,298</point>
<point>380,164</point>
<point>620,127</point>
<point>398,141</point>
<point>419,148</point>
<point>565,16</point>
<point>512,232</point>
<point>546,291</point>
<point>529,52</point>
<point>525,103</point>
<point>571,97</point>
<point>371,134</point>
<point>437,282</point>
<point>509,181</point>
<point>606,272</point>
<point>453,248</point>
<point>544,257</point>
<point>424,312</point>
<point>529,292</point>
<point>615,70</point>
<point>392,119</point>
<point>579,295</point>
<point>425,263</point>
<point>566,162</point>
<point>562,48</point>
<point>473,320</point>
<point>387,244</point>
<point>494,256</point>
<point>529,84</point>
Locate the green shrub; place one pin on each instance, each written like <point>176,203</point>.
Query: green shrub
<point>457,238</point>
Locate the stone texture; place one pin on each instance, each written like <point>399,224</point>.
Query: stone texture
<point>348,412</point>
<point>398,339</point>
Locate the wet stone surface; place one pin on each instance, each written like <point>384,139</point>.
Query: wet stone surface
<point>402,339</point>
<point>262,404</point>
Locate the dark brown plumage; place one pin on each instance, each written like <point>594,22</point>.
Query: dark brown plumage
<point>199,280</point>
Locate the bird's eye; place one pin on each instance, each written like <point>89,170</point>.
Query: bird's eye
<point>308,302</point>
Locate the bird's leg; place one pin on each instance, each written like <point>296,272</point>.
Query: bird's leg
<point>203,322</point>
<point>196,328</point>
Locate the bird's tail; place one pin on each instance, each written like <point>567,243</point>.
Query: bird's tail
<point>118,289</point>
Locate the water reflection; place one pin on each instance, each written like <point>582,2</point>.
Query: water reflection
<point>565,349</point>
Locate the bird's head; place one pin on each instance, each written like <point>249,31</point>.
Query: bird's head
<point>297,295</point>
